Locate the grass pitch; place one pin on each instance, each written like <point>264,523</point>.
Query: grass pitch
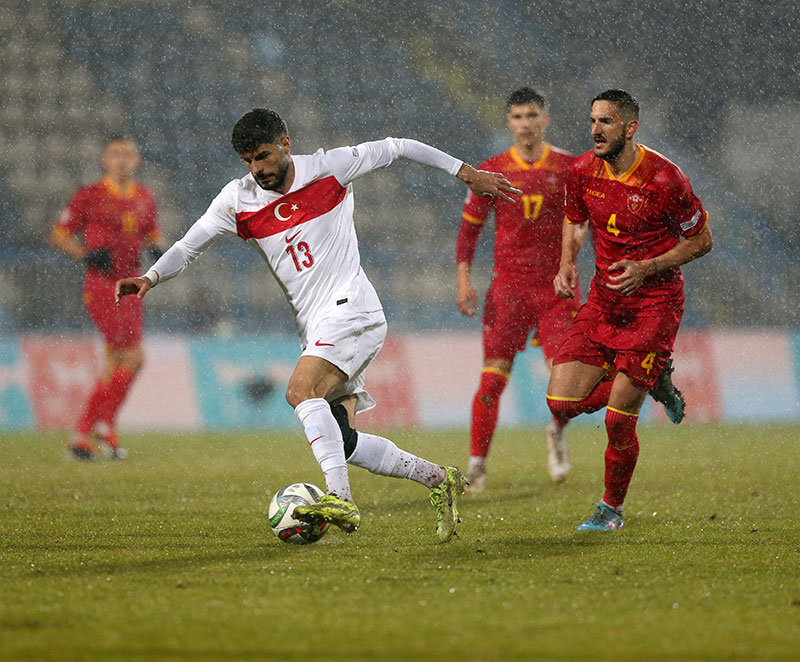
<point>168,556</point>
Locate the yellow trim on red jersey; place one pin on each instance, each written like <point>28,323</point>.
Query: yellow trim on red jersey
<point>128,192</point>
<point>703,229</point>
<point>573,222</point>
<point>496,371</point>
<point>153,236</point>
<point>522,163</point>
<point>472,219</point>
<point>619,411</point>
<point>625,175</point>
<point>560,399</point>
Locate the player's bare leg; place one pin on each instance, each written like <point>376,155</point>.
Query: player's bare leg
<point>312,380</point>
<point>485,409</point>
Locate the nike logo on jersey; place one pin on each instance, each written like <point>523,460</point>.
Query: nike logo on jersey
<point>323,344</point>
<point>289,240</point>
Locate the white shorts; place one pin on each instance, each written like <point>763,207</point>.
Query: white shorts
<point>350,343</point>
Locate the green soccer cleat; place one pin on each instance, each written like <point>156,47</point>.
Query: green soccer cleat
<point>665,392</point>
<point>444,498</point>
<point>605,518</point>
<point>330,509</point>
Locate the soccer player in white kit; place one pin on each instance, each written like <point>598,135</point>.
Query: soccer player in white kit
<point>297,212</point>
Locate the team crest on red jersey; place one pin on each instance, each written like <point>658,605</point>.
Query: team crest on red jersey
<point>635,202</point>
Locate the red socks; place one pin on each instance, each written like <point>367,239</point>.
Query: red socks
<point>565,408</point>
<point>118,386</point>
<point>485,407</point>
<point>93,407</point>
<point>621,455</point>
<point>106,399</point>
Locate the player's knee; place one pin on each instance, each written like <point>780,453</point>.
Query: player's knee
<point>349,435</point>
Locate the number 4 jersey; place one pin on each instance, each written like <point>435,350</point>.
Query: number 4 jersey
<point>306,236</point>
<point>637,216</point>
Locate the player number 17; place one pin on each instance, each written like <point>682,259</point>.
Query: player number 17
<point>532,205</point>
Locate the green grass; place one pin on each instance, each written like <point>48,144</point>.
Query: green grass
<point>168,556</point>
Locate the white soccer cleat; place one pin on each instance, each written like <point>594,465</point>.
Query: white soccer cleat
<point>558,463</point>
<point>476,475</point>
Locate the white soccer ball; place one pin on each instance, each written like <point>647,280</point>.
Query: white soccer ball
<point>285,526</point>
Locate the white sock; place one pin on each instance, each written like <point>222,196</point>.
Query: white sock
<point>382,456</point>
<point>325,438</point>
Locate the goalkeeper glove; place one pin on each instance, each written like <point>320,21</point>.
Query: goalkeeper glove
<point>100,259</point>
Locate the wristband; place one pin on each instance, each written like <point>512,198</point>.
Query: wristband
<point>152,276</point>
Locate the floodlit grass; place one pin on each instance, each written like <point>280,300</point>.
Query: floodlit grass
<point>168,556</point>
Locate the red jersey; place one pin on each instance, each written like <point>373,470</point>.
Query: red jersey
<point>639,215</point>
<point>114,219</point>
<point>527,240</point>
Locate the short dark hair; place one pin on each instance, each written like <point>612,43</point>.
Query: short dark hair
<point>256,127</point>
<point>119,138</point>
<point>627,104</point>
<point>525,95</point>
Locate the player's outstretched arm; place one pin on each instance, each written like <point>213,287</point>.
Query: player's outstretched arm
<point>138,285</point>
<point>484,183</point>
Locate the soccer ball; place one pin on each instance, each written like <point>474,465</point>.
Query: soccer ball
<point>285,526</point>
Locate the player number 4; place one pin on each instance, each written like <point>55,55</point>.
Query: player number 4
<point>612,226</point>
<point>649,361</point>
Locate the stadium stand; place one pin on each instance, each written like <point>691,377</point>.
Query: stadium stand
<point>177,75</point>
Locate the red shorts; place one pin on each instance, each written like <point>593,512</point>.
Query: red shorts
<point>121,327</point>
<point>513,311</point>
<point>639,346</point>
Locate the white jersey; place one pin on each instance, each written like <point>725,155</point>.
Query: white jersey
<point>306,236</point>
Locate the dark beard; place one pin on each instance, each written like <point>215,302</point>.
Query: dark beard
<point>280,179</point>
<point>615,149</point>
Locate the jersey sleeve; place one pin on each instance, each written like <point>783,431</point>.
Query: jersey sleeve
<point>575,207</point>
<point>73,217</point>
<point>150,229</point>
<point>473,216</point>
<point>219,219</point>
<point>349,163</point>
<point>683,208</point>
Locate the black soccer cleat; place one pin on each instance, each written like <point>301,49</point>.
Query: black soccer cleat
<point>668,395</point>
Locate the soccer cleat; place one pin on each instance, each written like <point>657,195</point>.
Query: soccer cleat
<point>558,464</point>
<point>665,392</point>
<point>444,499</point>
<point>476,475</point>
<point>605,518</point>
<point>108,442</point>
<point>80,448</point>
<point>330,509</point>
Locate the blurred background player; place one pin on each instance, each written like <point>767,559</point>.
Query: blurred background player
<point>297,212</point>
<point>527,251</point>
<point>646,222</point>
<point>106,225</point>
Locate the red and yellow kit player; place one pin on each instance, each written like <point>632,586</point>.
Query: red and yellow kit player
<point>527,250</point>
<point>646,222</point>
<point>106,225</point>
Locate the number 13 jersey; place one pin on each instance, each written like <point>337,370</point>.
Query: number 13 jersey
<point>306,236</point>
